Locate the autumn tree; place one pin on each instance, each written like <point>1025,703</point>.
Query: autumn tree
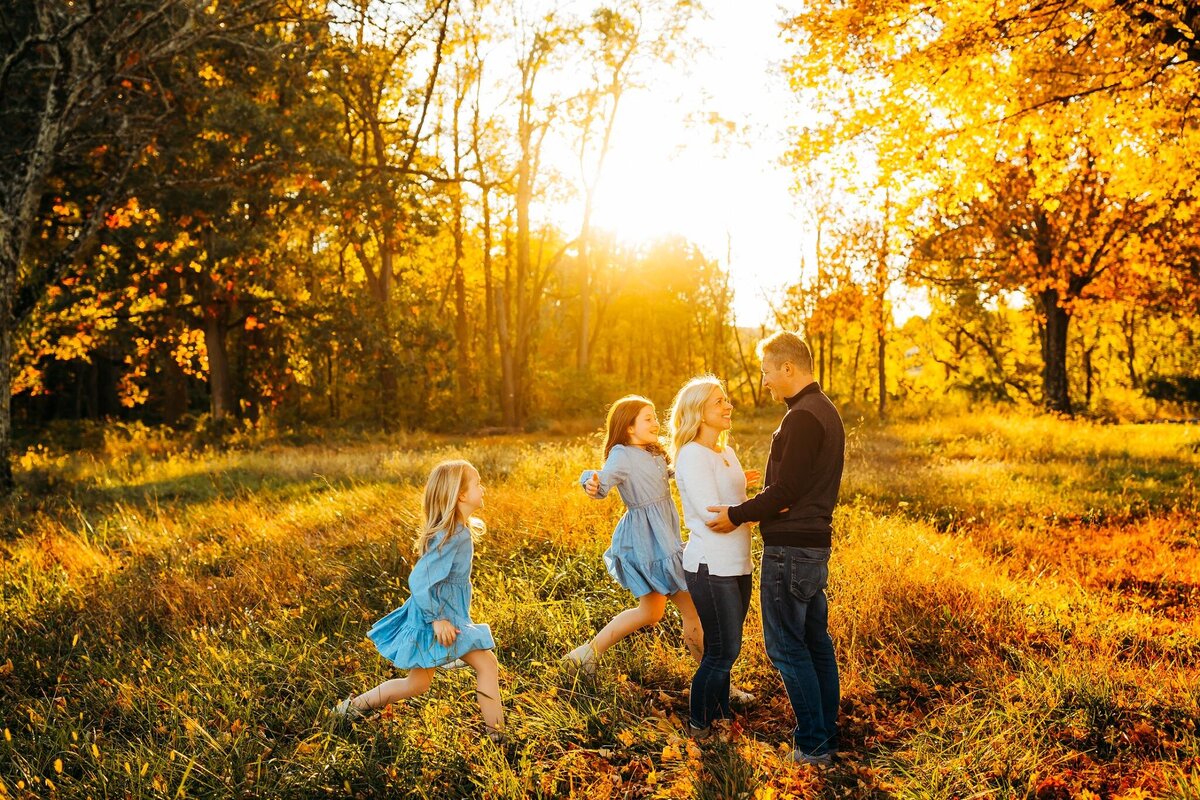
<point>955,101</point>
<point>384,70</point>
<point>538,48</point>
<point>1061,249</point>
<point>81,86</point>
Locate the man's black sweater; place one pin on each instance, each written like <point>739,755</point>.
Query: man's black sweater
<point>804,473</point>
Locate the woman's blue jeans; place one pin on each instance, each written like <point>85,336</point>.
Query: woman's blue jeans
<point>795,616</point>
<point>721,602</point>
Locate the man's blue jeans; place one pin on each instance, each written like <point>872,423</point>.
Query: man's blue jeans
<point>795,615</point>
<point>721,603</point>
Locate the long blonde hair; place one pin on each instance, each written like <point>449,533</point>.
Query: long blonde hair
<point>440,505</point>
<point>621,416</point>
<point>687,412</point>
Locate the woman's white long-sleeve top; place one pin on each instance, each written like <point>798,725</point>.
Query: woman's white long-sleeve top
<point>708,478</point>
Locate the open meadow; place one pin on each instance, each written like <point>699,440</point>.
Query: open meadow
<point>1015,602</point>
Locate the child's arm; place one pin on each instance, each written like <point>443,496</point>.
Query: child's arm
<point>614,473</point>
<point>430,570</point>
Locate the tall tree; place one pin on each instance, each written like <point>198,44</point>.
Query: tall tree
<point>80,83</point>
<point>521,296</point>
<point>233,166</point>
<point>385,73</point>
<point>618,47</point>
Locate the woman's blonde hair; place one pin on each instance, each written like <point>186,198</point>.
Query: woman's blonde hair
<point>621,416</point>
<point>687,411</point>
<point>440,505</point>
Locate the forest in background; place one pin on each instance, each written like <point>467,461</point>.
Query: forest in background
<point>323,213</point>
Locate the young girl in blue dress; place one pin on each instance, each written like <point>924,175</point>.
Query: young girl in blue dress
<point>646,551</point>
<point>433,628</point>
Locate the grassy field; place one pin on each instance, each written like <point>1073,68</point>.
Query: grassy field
<point>1015,602</point>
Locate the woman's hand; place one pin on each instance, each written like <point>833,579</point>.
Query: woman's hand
<point>753,477</point>
<point>592,487</point>
<point>445,632</point>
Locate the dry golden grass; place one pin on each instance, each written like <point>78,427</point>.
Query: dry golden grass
<point>1013,601</point>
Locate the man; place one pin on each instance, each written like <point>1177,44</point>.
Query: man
<point>795,515</point>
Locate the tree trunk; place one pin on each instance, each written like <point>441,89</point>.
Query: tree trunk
<point>461,332</point>
<point>462,369</point>
<point>1128,329</point>
<point>1056,394</point>
<point>854,368</point>
<point>881,354</point>
<point>508,388</point>
<point>388,383</point>
<point>331,381</point>
<point>6,332</point>
<point>524,197</point>
<point>583,356</point>
<point>821,358</point>
<point>1090,374</point>
<point>219,379</point>
<point>752,380</point>
<point>489,297</point>
<point>827,382</point>
<point>175,400</point>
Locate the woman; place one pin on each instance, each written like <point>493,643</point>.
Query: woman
<point>716,565</point>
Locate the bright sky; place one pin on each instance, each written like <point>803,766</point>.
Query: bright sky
<point>666,173</point>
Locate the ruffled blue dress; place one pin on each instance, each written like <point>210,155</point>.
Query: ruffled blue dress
<point>440,588</point>
<point>646,554</point>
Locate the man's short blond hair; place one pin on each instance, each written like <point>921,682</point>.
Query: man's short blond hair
<point>786,346</point>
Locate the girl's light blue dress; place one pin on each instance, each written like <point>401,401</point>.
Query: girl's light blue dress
<point>440,587</point>
<point>646,554</point>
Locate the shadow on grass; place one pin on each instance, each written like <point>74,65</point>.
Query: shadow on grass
<point>80,505</point>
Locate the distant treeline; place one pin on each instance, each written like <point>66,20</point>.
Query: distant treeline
<point>340,213</point>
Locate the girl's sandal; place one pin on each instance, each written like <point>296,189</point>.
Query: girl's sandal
<point>347,710</point>
<point>582,658</point>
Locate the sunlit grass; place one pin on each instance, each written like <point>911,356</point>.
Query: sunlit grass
<point>1013,600</point>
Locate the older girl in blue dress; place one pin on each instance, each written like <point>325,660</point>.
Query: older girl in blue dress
<point>433,628</point>
<point>646,555</point>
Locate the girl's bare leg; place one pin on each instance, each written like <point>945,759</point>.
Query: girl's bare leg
<point>693,634</point>
<point>487,687</point>
<point>649,611</point>
<point>416,682</point>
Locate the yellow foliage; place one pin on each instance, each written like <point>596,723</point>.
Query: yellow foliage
<point>209,74</point>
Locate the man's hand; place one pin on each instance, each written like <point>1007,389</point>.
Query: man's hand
<point>445,632</point>
<point>592,487</point>
<point>721,524</point>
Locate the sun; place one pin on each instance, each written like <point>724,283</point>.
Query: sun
<point>697,152</point>
<point>651,186</point>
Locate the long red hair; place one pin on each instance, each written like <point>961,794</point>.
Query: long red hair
<point>621,416</point>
